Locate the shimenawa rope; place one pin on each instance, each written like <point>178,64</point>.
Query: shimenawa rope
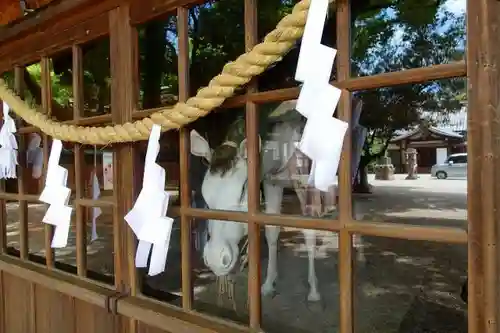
<point>234,74</point>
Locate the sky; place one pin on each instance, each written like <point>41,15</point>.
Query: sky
<point>456,6</point>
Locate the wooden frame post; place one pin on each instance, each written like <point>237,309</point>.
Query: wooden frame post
<point>483,61</point>
<point>346,260</point>
<point>252,130</point>
<point>122,50</point>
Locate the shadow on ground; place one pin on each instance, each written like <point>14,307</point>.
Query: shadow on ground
<point>400,286</point>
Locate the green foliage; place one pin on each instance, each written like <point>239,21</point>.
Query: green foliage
<point>61,93</point>
<point>402,35</point>
<point>388,35</point>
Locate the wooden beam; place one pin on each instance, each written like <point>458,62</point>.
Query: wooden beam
<point>146,10</point>
<point>25,50</point>
<point>9,11</point>
<point>55,13</point>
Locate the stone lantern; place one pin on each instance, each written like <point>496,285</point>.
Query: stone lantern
<point>411,162</point>
<point>384,170</point>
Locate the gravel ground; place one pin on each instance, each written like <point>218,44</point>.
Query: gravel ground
<point>400,286</point>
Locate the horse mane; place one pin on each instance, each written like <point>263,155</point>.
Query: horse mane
<point>225,155</point>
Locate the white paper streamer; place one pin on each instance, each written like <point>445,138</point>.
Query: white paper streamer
<point>56,194</point>
<point>96,193</point>
<point>147,218</point>
<point>8,143</point>
<point>96,211</point>
<point>323,135</point>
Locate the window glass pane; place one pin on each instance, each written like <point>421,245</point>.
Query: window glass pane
<point>158,54</point>
<point>306,294</point>
<point>61,77</point>
<point>216,152</point>
<point>286,171</point>
<point>410,286</point>
<point>282,74</point>
<point>216,37</point>
<point>97,78</point>
<point>166,286</point>
<point>406,133</point>
<point>390,36</point>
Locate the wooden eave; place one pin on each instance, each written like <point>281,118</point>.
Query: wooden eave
<point>63,23</point>
<point>49,13</point>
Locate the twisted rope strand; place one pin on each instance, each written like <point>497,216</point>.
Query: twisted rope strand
<point>234,74</point>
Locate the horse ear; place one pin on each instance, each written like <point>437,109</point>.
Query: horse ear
<point>199,146</point>
<point>243,147</point>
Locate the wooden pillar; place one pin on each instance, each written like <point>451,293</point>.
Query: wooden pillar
<point>483,60</point>
<point>123,96</point>
<point>346,252</point>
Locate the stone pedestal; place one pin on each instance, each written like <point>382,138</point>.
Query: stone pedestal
<point>384,170</point>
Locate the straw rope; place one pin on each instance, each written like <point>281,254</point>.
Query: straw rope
<point>234,74</point>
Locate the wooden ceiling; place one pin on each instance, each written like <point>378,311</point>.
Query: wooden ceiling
<point>10,10</point>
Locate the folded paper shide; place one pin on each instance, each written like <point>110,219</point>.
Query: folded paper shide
<point>8,146</point>
<point>148,218</point>
<point>96,211</point>
<point>57,194</point>
<point>318,100</point>
<point>96,193</point>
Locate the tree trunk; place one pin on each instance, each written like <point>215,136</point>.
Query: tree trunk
<point>361,184</point>
<point>154,64</point>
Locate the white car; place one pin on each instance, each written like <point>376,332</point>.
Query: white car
<point>455,166</point>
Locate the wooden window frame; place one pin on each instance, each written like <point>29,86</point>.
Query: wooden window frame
<point>119,21</point>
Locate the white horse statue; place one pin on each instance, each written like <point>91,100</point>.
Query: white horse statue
<point>225,188</point>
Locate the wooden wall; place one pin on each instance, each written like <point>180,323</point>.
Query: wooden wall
<point>33,308</point>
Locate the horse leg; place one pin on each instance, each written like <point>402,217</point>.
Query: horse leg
<point>360,252</point>
<point>303,193</point>
<point>358,239</point>
<point>274,197</point>
<point>310,236</point>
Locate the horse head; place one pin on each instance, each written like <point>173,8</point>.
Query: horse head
<point>224,188</point>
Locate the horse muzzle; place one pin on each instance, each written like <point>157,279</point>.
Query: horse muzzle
<point>220,256</point>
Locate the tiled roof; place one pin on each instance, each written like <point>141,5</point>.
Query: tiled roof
<point>452,124</point>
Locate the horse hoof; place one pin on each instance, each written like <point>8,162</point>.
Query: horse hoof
<point>314,297</point>
<point>267,290</point>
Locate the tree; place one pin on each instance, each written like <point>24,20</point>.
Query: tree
<point>388,35</point>
<point>430,36</point>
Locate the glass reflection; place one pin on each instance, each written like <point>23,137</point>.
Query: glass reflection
<point>209,48</point>
<point>411,286</point>
<point>158,54</point>
<point>282,74</point>
<point>96,78</point>
<point>306,294</point>
<point>413,162</point>
<point>390,36</point>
